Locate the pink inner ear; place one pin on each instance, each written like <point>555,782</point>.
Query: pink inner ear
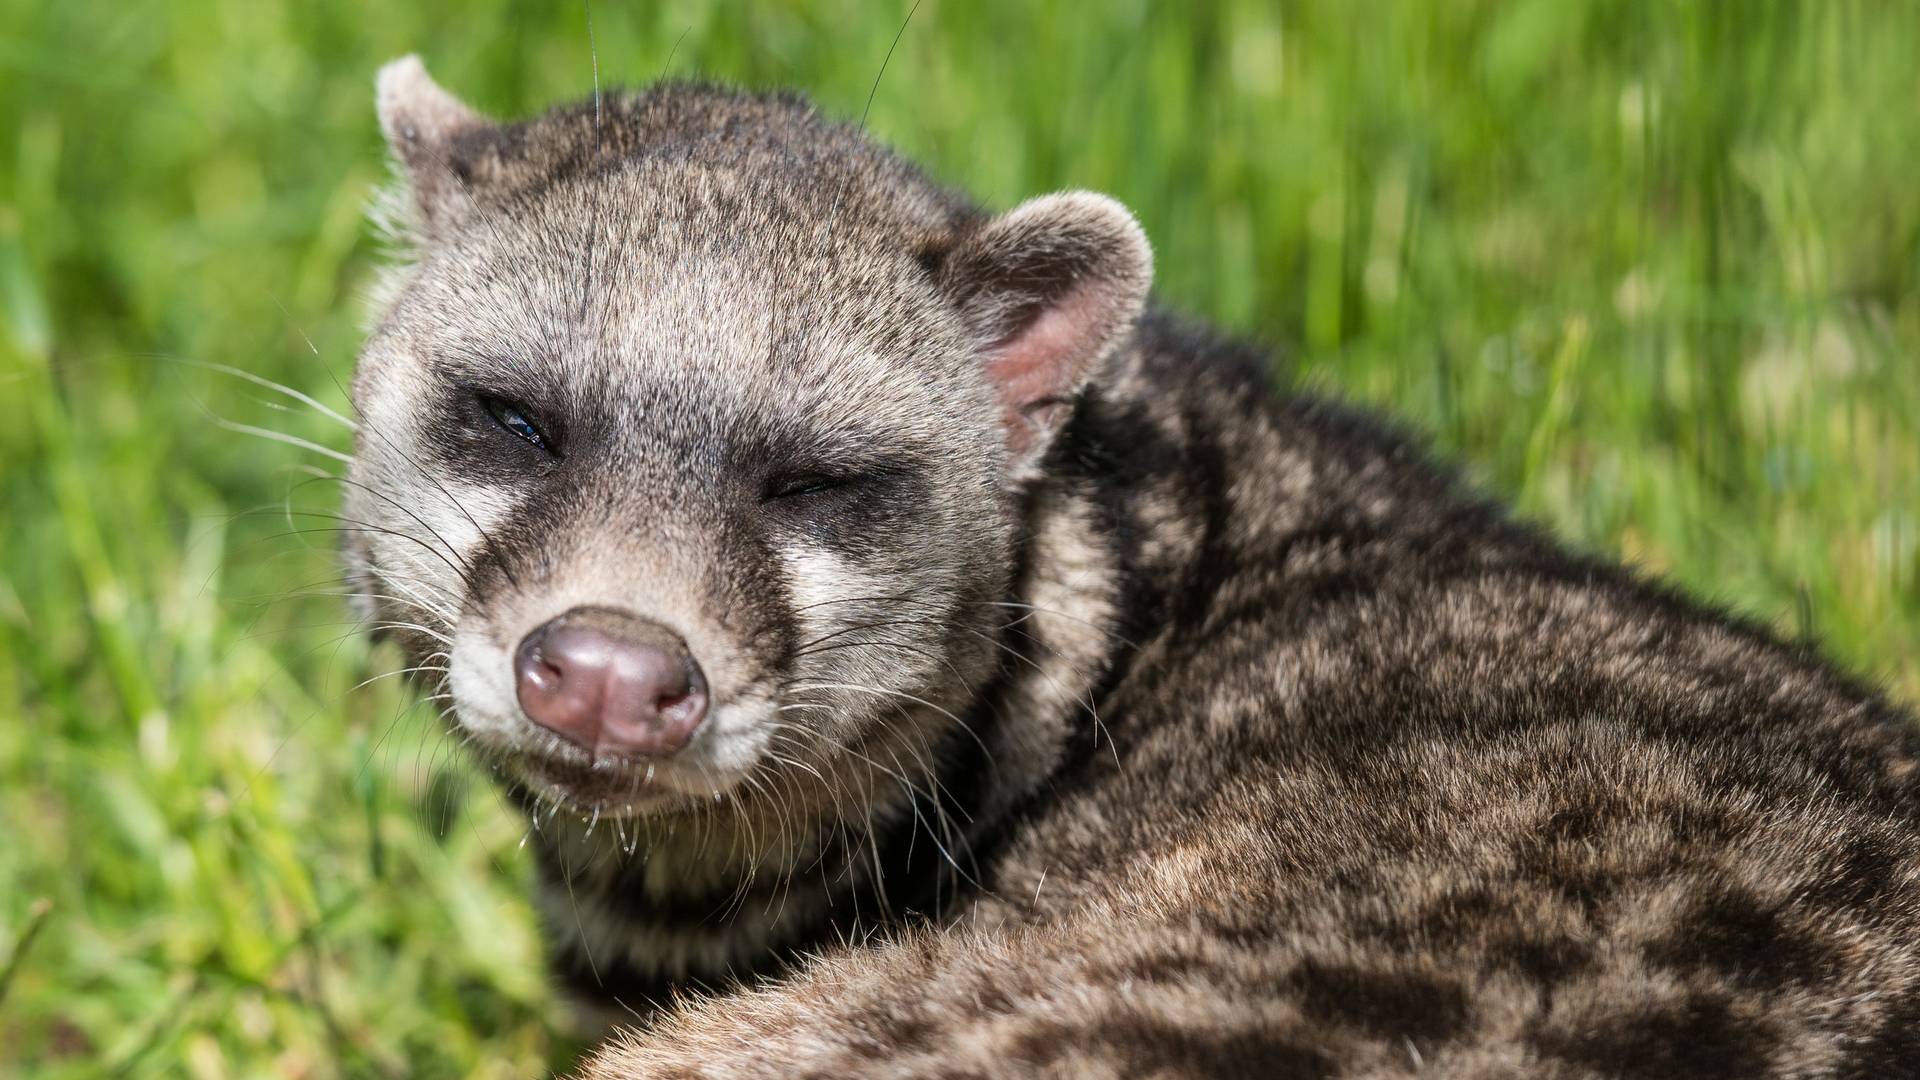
<point>1043,361</point>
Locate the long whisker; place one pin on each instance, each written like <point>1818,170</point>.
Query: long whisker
<point>675,51</point>
<point>873,91</point>
<point>882,691</point>
<point>391,501</point>
<point>354,525</point>
<point>280,437</point>
<point>1106,632</point>
<point>265,383</point>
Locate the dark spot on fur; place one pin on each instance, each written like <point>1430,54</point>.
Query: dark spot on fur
<point>1156,1048</point>
<point>1480,927</point>
<point>1460,916</point>
<point>1696,823</point>
<point>1235,930</point>
<point>1699,1037</point>
<point>1737,935</point>
<point>1159,967</point>
<point>1573,825</point>
<point>930,257</point>
<point>1544,959</point>
<point>1865,872</point>
<point>1575,870</point>
<point>1254,1055</point>
<point>1383,1002</point>
<point>905,1031</point>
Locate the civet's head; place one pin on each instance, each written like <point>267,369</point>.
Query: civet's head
<point>693,432</point>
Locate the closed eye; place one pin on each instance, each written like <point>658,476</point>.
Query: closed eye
<point>792,487</point>
<point>513,416</point>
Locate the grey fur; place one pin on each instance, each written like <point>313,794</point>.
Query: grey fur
<point>1111,712</point>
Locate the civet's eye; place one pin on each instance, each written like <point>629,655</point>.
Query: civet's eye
<point>791,487</point>
<point>513,416</point>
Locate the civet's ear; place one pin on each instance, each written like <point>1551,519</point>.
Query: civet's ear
<point>422,124</point>
<point>1048,289</point>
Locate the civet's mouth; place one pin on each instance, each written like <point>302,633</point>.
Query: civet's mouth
<point>603,711</point>
<point>622,784</point>
<point>615,787</point>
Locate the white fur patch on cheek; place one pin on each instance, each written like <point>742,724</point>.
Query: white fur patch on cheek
<point>422,537</point>
<point>819,578</point>
<point>481,679</point>
<point>457,516</point>
<point>828,592</point>
<point>735,738</point>
<point>404,463</point>
<point>853,615</point>
<point>421,529</point>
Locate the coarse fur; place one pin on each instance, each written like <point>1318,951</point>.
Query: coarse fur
<point>1083,703</point>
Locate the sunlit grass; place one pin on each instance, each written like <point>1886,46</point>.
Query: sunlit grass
<point>1649,269</point>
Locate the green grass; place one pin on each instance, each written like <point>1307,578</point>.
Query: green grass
<point>1653,270</point>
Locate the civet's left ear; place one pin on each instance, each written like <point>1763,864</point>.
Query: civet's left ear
<point>424,126</point>
<point>1048,289</point>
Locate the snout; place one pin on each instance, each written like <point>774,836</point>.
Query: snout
<point>611,682</point>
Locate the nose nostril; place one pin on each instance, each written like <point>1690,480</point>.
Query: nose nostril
<point>542,673</point>
<point>681,707</point>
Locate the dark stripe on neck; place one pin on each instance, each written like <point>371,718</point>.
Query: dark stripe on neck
<point>1108,448</point>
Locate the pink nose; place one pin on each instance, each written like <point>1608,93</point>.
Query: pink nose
<point>611,682</point>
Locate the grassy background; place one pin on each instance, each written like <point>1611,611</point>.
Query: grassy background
<point>1650,268</point>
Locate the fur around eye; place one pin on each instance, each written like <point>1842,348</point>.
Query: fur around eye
<point>512,416</point>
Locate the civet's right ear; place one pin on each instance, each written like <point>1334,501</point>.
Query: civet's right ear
<point>423,125</point>
<point>1048,289</point>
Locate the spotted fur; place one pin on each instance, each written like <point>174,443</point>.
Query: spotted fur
<point>1115,712</point>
